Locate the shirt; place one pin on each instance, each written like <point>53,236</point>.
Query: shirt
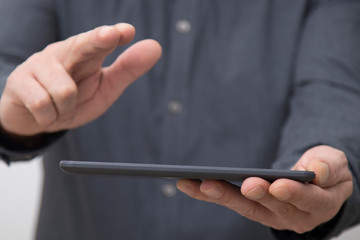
<point>241,83</point>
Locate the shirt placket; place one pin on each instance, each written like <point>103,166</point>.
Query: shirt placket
<point>175,107</point>
<point>182,36</point>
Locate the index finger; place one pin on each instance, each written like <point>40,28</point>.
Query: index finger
<point>98,42</point>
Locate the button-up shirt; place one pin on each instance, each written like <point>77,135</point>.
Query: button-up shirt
<point>242,83</point>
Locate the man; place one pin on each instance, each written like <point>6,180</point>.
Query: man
<point>240,83</point>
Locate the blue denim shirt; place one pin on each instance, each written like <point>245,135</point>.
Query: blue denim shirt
<point>245,83</point>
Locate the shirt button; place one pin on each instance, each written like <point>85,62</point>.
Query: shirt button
<point>175,107</point>
<point>183,26</point>
<point>169,190</point>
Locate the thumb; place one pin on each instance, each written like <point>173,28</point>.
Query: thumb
<point>130,65</point>
<point>322,172</point>
<point>329,164</point>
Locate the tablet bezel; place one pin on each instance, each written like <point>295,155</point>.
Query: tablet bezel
<point>181,171</point>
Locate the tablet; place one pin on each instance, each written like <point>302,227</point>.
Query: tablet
<point>181,171</point>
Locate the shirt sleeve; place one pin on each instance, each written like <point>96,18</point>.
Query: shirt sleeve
<point>26,27</point>
<point>325,102</point>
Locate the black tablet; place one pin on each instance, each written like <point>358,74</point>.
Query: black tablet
<point>181,171</point>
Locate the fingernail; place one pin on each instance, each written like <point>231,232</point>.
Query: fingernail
<point>121,26</point>
<point>213,192</point>
<point>104,30</point>
<point>281,193</point>
<point>323,172</point>
<point>255,194</point>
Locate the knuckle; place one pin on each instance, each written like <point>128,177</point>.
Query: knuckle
<point>77,47</point>
<point>12,80</point>
<point>301,225</point>
<point>348,190</point>
<point>35,57</point>
<point>284,211</point>
<point>300,229</point>
<point>304,226</point>
<point>277,225</point>
<point>67,119</point>
<point>41,109</point>
<point>82,46</point>
<point>50,47</point>
<point>332,209</point>
<point>39,104</point>
<point>342,156</point>
<point>66,92</point>
<point>39,56</point>
<point>250,213</point>
<point>317,203</point>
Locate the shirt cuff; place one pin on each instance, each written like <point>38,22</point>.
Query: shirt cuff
<point>18,149</point>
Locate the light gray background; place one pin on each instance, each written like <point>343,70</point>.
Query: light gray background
<point>20,187</point>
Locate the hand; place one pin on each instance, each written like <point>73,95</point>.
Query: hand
<point>64,86</point>
<point>285,204</point>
